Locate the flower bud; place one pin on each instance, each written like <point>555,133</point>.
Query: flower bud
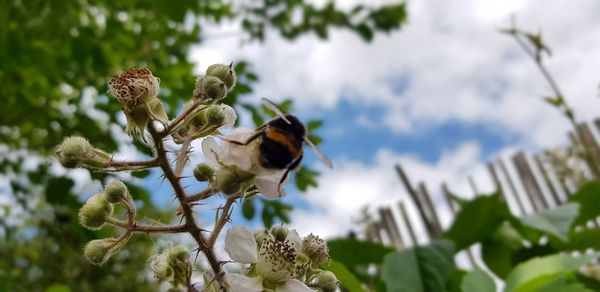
<point>224,72</point>
<point>94,212</point>
<point>327,281</point>
<point>204,172</point>
<point>160,267</point>
<point>315,248</point>
<point>212,88</point>
<point>134,87</point>
<point>116,192</point>
<point>227,181</point>
<point>177,254</point>
<point>98,251</point>
<point>73,151</point>
<point>280,232</point>
<point>215,115</point>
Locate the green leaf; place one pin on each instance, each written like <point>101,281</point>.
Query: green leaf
<point>345,252</point>
<point>313,125</point>
<point>478,281</point>
<point>588,197</point>
<point>248,209</point>
<point>562,282</point>
<point>584,239</point>
<point>477,220</point>
<point>305,178</point>
<point>421,269</point>
<point>346,278</point>
<point>556,221</point>
<point>58,288</point>
<point>498,250</point>
<point>544,266</point>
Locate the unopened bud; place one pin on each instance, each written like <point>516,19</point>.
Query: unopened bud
<point>327,281</point>
<point>213,88</point>
<point>160,267</point>
<point>98,251</point>
<point>73,151</point>
<point>315,248</point>
<point>224,72</point>
<point>204,172</point>
<point>95,211</point>
<point>280,232</point>
<point>215,115</point>
<point>227,181</point>
<point>177,255</point>
<point>116,191</point>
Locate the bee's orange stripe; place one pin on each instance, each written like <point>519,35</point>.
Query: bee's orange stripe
<point>283,138</point>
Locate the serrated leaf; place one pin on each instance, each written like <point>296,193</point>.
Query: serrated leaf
<point>556,221</point>
<point>478,281</point>
<point>420,269</point>
<point>544,267</point>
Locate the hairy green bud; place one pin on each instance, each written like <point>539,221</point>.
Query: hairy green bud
<point>94,212</point>
<point>177,255</point>
<point>212,88</point>
<point>261,236</point>
<point>224,72</point>
<point>204,172</point>
<point>116,191</point>
<point>74,151</point>
<point>326,281</point>
<point>98,251</point>
<point>227,181</point>
<point>315,248</point>
<point>280,232</point>
<point>215,115</point>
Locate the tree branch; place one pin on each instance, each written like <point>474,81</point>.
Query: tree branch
<point>225,214</point>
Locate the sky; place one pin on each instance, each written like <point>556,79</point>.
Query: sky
<point>441,97</point>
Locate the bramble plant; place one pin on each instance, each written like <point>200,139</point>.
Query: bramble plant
<point>273,260</point>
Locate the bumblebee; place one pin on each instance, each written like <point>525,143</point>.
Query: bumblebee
<point>281,141</point>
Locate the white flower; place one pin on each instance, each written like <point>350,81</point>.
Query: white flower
<point>245,157</point>
<point>275,261</point>
<point>230,116</point>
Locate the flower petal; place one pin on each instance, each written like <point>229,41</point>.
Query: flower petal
<point>294,238</point>
<point>293,285</point>
<point>240,283</point>
<point>268,188</point>
<point>210,148</point>
<point>241,245</point>
<point>230,116</point>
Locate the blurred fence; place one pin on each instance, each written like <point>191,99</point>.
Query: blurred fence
<point>527,182</point>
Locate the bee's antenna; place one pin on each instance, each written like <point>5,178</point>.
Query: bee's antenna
<point>270,105</point>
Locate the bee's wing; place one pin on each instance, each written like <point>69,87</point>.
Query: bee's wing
<point>270,105</point>
<point>318,152</point>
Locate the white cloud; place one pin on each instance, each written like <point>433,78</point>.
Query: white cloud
<point>458,66</point>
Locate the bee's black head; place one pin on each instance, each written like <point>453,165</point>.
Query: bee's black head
<point>295,126</point>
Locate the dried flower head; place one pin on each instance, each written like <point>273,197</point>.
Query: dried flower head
<point>134,87</point>
<point>315,248</point>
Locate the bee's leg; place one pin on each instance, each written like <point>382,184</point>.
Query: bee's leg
<point>252,138</point>
<point>291,167</point>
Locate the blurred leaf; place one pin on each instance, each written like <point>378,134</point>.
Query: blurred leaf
<point>478,281</point>
<point>498,250</point>
<point>346,278</point>
<point>344,251</point>
<point>305,178</point>
<point>420,269</point>
<point>550,267</point>
<point>588,197</point>
<point>556,221</point>
<point>477,220</point>
<point>248,209</point>
<point>58,288</point>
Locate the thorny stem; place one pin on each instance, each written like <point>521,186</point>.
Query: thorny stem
<point>225,214</point>
<point>563,105</point>
<point>137,227</point>
<point>183,156</point>
<point>181,118</point>
<point>207,193</point>
<point>190,223</point>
